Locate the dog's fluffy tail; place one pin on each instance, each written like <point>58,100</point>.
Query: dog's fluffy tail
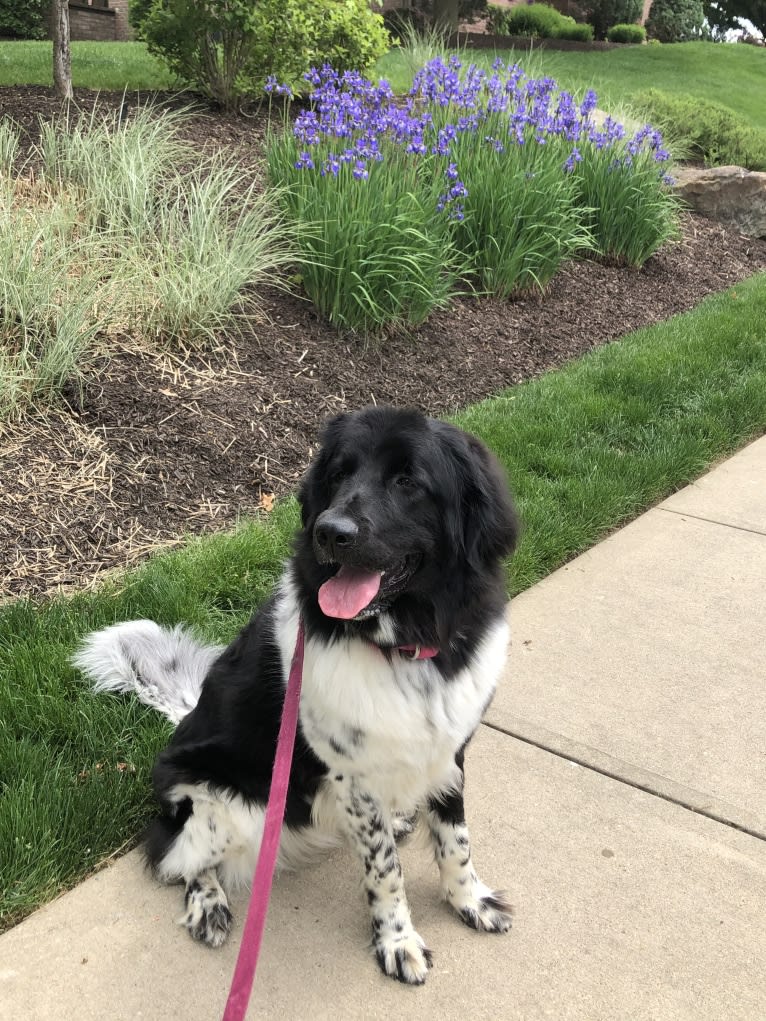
<point>165,668</point>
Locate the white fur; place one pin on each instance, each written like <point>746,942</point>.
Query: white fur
<point>412,721</point>
<point>163,667</point>
<point>225,832</point>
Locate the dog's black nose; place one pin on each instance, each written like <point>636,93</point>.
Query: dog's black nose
<point>334,533</point>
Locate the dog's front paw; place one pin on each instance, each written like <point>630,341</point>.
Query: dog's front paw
<point>213,927</point>
<point>484,909</point>
<point>207,917</point>
<point>403,956</point>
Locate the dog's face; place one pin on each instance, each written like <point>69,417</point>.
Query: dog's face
<point>395,503</point>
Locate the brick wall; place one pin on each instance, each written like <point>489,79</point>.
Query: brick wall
<point>122,29</point>
<point>87,21</point>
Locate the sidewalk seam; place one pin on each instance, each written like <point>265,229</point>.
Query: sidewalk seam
<point>628,782</point>
<point>711,521</point>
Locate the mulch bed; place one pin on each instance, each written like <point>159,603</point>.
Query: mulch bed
<point>165,444</point>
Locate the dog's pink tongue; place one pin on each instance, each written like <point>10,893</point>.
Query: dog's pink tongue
<point>348,592</point>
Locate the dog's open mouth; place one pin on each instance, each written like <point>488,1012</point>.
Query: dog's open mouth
<point>354,593</point>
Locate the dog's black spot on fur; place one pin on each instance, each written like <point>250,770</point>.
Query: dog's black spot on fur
<point>338,748</point>
<point>356,737</point>
<point>386,869</point>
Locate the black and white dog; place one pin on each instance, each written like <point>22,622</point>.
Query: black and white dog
<point>397,574</point>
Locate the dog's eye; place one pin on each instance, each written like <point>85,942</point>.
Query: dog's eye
<point>405,481</point>
<point>338,476</point>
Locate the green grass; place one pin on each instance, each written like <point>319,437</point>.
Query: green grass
<point>590,446</point>
<point>104,66</point>
<point>706,69</point>
<point>74,768</point>
<point>727,74</point>
<point>587,448</point>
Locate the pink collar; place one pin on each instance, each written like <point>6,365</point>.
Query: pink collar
<point>416,651</point>
<point>408,651</point>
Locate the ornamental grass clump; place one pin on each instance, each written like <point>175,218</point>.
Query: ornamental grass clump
<point>117,165</point>
<point>490,177</point>
<point>106,233</point>
<point>193,232</point>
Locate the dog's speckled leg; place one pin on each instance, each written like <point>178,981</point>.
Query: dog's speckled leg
<point>478,905</point>
<point>400,951</point>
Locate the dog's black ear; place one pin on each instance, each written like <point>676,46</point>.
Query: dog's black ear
<point>483,525</point>
<point>490,521</point>
<point>313,493</point>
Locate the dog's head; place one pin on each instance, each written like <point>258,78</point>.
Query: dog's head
<point>398,503</point>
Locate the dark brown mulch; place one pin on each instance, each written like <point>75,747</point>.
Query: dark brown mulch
<point>162,445</point>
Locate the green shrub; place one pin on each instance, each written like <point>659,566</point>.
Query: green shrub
<point>626,34</point>
<point>228,51</point>
<point>579,32</point>
<point>537,20</point>
<point>675,21</point>
<point>602,14</point>
<point>138,12</point>
<point>27,20</point>
<point>496,20</point>
<point>705,130</point>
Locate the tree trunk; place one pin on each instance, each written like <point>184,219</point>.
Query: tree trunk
<point>62,60</point>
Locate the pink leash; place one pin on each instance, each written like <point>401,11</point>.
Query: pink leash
<point>252,934</point>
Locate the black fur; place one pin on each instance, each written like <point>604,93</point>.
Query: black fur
<point>456,519</point>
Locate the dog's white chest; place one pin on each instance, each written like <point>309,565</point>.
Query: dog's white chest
<point>394,722</point>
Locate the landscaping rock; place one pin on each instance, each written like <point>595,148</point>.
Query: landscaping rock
<point>733,195</point>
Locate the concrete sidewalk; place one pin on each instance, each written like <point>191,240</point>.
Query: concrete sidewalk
<point>617,790</point>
